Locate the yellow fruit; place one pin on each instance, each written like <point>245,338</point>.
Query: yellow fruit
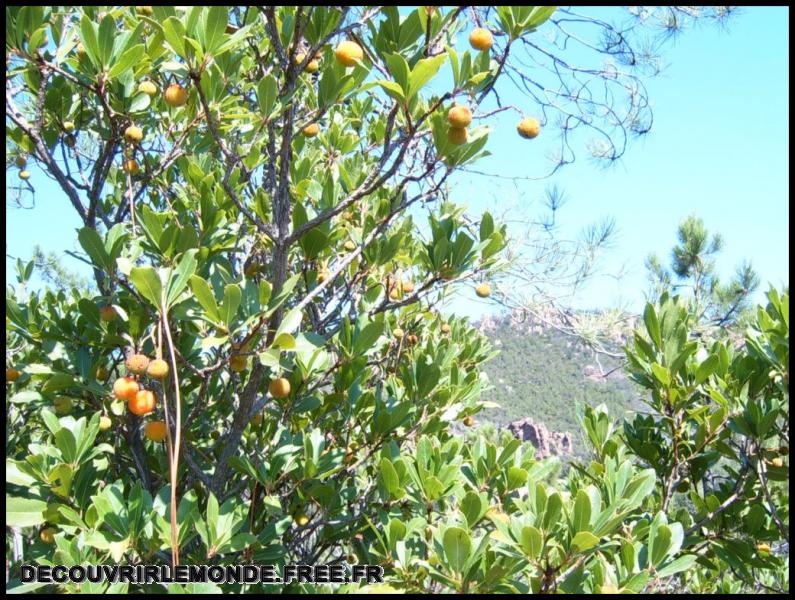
<point>408,286</point>
<point>279,388</point>
<point>311,130</point>
<point>256,419</point>
<point>481,39</point>
<point>348,53</point>
<point>144,10</point>
<point>350,246</point>
<point>299,58</point>
<point>777,462</point>
<point>459,116</point>
<point>157,369</point>
<point>301,519</point>
<point>68,126</point>
<point>63,405</point>
<point>238,363</point>
<point>125,388</point>
<point>148,88</point>
<point>12,374</point>
<point>312,66</point>
<point>131,167</point>
<point>528,128</point>
<point>137,363</point>
<point>323,275</point>
<point>483,290</point>
<point>155,431</point>
<point>133,134</point>
<point>763,548</point>
<point>398,332</point>
<point>469,421</point>
<point>107,314</point>
<point>20,161</point>
<point>80,49</point>
<point>446,328</point>
<point>47,535</point>
<point>457,135</point>
<point>347,215</point>
<point>142,403</point>
<point>102,373</point>
<point>176,95</point>
<point>608,588</point>
<point>105,423</point>
<point>24,175</point>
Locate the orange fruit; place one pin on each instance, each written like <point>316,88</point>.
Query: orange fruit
<point>107,313</point>
<point>777,462</point>
<point>20,161</point>
<point>63,405</point>
<point>137,363</point>
<point>469,421</point>
<point>175,95</point>
<point>412,339</point>
<point>481,39</point>
<point>457,135</point>
<point>24,175</point>
<point>279,387</point>
<point>528,128</point>
<point>133,134</point>
<point>155,431</point>
<point>311,130</point>
<point>408,286</point>
<point>148,88</point>
<point>256,419</point>
<point>131,166</point>
<point>483,290</point>
<point>142,403</point>
<point>157,369</point>
<point>125,388</point>
<point>12,374</point>
<point>348,53</point>
<point>238,363</point>
<point>446,328</point>
<point>47,535</point>
<point>459,116</point>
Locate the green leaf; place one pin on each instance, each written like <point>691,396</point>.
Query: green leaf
<point>652,325</point>
<point>129,59</point>
<point>457,546</point>
<point>107,33</point>
<point>683,563</point>
<point>582,511</point>
<point>232,298</point>
<point>707,368</point>
<point>267,91</point>
<point>531,541</point>
<point>661,544</point>
<point>181,276</point>
<point>474,507</point>
<point>215,28</point>
<point>583,541</point>
<point>24,512</point>
<point>389,477</point>
<point>88,36</point>
<point>204,294</point>
<point>92,243</point>
<point>174,32</point>
<point>147,282</point>
<point>423,72</point>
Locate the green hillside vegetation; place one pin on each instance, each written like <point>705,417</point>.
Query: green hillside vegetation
<point>544,376</point>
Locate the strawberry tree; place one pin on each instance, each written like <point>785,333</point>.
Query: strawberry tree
<point>261,372</point>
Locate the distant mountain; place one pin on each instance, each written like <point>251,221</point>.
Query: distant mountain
<point>542,374</point>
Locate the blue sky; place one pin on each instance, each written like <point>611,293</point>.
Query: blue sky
<point>719,148</point>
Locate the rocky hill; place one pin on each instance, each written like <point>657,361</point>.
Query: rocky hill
<point>540,376</point>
